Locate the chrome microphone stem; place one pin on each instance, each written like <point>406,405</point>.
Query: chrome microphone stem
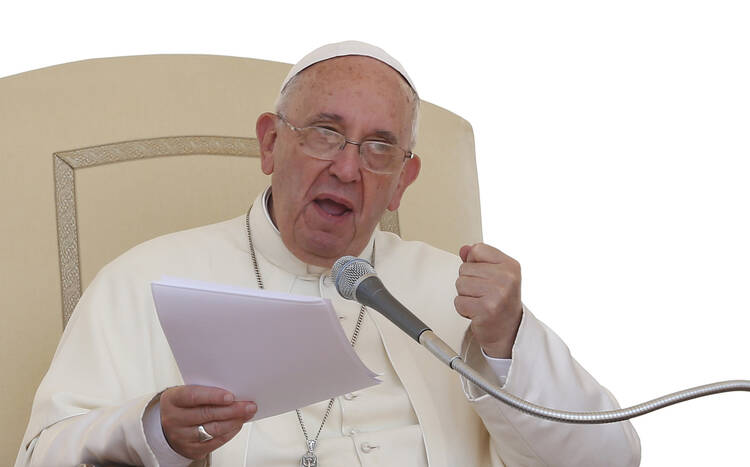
<point>448,356</point>
<point>438,347</point>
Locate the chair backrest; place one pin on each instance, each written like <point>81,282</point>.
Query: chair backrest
<point>84,176</point>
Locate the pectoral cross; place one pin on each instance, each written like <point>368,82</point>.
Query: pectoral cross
<point>309,459</point>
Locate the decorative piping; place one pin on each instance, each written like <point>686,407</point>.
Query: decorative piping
<point>66,162</point>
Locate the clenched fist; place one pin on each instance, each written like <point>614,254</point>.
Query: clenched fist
<point>489,294</point>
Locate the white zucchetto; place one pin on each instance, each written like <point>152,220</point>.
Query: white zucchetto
<point>340,49</point>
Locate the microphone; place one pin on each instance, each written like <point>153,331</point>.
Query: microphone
<point>355,279</point>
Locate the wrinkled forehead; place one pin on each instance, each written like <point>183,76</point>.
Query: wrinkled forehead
<point>349,72</point>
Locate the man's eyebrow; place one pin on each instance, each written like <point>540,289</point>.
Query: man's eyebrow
<point>326,116</point>
<point>386,135</point>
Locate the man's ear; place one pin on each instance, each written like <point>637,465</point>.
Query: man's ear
<point>408,174</point>
<point>265,129</point>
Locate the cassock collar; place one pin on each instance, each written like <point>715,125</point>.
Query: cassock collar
<point>267,240</point>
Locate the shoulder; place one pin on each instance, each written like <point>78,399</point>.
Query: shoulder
<point>121,289</point>
<point>415,270</point>
<point>423,278</point>
<point>206,235</point>
<point>392,252</point>
<point>179,250</point>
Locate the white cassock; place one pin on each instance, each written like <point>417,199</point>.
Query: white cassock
<point>113,359</point>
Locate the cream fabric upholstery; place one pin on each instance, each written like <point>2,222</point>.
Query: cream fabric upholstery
<point>82,149</point>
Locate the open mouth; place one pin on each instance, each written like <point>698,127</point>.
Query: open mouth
<point>333,207</point>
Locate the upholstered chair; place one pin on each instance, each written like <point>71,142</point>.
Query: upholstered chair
<point>100,155</point>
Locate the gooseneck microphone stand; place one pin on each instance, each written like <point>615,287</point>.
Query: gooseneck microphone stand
<point>356,280</point>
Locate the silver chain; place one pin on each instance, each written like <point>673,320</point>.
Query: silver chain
<point>311,443</point>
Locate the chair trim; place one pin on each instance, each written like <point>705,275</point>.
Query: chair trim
<point>67,237</point>
<point>66,163</point>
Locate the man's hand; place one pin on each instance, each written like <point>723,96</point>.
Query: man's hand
<point>489,294</point>
<point>183,408</point>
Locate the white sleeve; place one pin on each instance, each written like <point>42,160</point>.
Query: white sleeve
<point>499,366</point>
<point>158,442</point>
<point>543,372</point>
<point>102,435</point>
<point>110,363</point>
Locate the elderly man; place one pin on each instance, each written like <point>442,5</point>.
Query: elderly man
<point>338,149</point>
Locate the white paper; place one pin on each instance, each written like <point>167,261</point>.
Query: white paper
<point>282,351</point>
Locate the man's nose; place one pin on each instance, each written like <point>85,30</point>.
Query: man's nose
<point>347,164</point>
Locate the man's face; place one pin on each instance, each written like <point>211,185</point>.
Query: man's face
<point>327,209</point>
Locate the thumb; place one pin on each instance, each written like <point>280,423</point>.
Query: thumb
<point>464,252</point>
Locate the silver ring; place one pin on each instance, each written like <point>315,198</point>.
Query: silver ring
<point>203,435</point>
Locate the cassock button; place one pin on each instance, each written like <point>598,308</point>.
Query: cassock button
<point>350,396</point>
<point>367,447</point>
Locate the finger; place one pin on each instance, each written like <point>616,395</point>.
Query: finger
<point>223,428</point>
<point>227,436</point>
<point>191,435</point>
<point>485,270</point>
<point>468,307</point>
<point>218,441</point>
<point>473,286</point>
<point>194,396</point>
<point>464,252</point>
<point>208,413</point>
<point>193,448</point>
<point>483,253</point>
<point>482,309</point>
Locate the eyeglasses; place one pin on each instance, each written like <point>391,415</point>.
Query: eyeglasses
<point>325,144</point>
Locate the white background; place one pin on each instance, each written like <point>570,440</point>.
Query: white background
<point>611,140</point>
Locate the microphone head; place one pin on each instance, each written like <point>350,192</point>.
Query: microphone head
<point>347,273</point>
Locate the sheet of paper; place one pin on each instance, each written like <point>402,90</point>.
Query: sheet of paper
<point>281,351</point>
